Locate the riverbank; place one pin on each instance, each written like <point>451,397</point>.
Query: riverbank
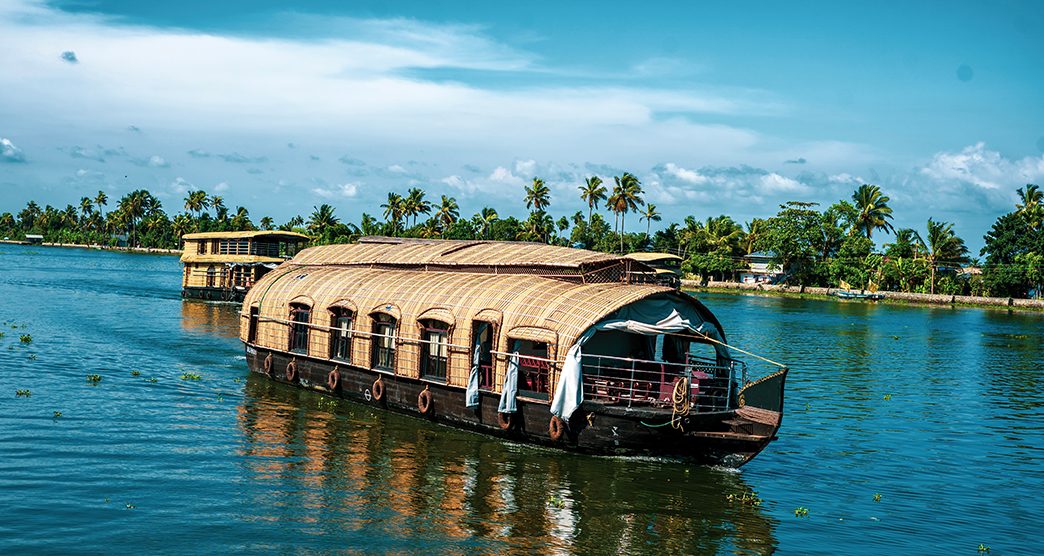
<point>148,250</point>
<point>889,297</point>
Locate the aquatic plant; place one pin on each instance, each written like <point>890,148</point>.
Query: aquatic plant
<point>237,380</point>
<point>1,334</point>
<point>130,506</point>
<point>57,414</point>
<point>26,338</point>
<point>191,376</point>
<point>801,511</point>
<point>23,393</point>
<point>555,501</point>
<point>135,373</point>
<point>32,357</point>
<point>984,549</point>
<point>152,380</point>
<point>94,379</point>
<point>877,497</point>
<point>747,498</point>
<point>887,397</point>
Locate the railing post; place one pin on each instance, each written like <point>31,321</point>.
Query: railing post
<point>630,389</point>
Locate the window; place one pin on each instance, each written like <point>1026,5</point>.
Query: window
<point>201,247</point>
<point>211,276</point>
<point>241,276</point>
<point>299,317</point>
<point>383,342</point>
<point>434,349</point>
<point>533,368</point>
<point>482,339</point>
<point>252,330</point>
<point>341,335</point>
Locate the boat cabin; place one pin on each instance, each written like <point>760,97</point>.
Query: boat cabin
<point>224,265</point>
<point>666,267</point>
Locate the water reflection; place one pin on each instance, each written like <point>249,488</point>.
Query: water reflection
<point>218,319</point>
<point>345,466</point>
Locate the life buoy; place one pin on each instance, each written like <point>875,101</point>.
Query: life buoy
<point>267,365</point>
<point>505,420</point>
<point>556,428</point>
<point>291,370</point>
<point>424,401</point>
<point>333,380</point>
<point>378,389</point>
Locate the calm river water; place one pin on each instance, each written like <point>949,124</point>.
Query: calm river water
<point>940,411</point>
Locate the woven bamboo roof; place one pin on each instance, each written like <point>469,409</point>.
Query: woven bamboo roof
<point>268,234</point>
<point>653,257</point>
<point>531,305</point>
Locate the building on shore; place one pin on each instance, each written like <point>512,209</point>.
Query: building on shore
<point>222,266</point>
<point>760,269</point>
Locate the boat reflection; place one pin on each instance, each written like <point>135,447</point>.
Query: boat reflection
<point>344,466</point>
<point>214,319</point>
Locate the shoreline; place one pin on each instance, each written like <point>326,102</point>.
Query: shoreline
<point>144,250</point>
<point>901,298</point>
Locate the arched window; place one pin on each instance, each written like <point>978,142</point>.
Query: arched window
<point>300,314</point>
<point>341,335</point>
<point>434,349</point>
<point>211,276</point>
<point>383,342</point>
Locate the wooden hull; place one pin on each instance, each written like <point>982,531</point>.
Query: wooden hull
<point>213,294</point>
<point>728,438</point>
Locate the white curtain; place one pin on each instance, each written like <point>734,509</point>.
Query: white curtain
<point>510,390</point>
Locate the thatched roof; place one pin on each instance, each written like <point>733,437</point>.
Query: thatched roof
<point>275,235</point>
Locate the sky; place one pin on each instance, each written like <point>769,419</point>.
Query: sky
<point>717,107</point>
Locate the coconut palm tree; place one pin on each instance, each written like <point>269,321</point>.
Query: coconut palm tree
<point>484,220</point>
<point>414,204</point>
<point>626,197</point>
<point>538,197</point>
<point>873,208</point>
<point>220,210</point>
<point>321,220</point>
<point>196,201</point>
<point>649,216</point>
<point>393,211</point>
<point>943,245</point>
<point>448,212</point>
<point>1032,205</point>
<point>592,192</point>
<point>755,231</point>
<point>101,200</point>
<point>241,220</point>
<point>181,225</point>
<point>266,222</point>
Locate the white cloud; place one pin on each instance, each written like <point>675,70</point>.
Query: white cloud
<point>984,168</point>
<point>220,187</point>
<point>844,178</point>
<point>9,152</point>
<point>397,169</point>
<point>688,176</point>
<point>347,190</point>
<point>774,183</point>
<point>181,185</point>
<point>526,168</point>
<point>157,161</point>
<point>501,174</point>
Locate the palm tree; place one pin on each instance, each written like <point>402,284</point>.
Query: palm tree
<point>220,211</point>
<point>266,222</point>
<point>593,192</point>
<point>180,226</point>
<point>241,220</point>
<point>626,197</point>
<point>649,216</point>
<point>943,245</point>
<point>197,202</point>
<point>484,220</point>
<point>321,220</point>
<point>393,210</point>
<point>873,209</point>
<point>415,204</point>
<point>538,197</point>
<point>1032,205</point>
<point>448,212</point>
<point>100,200</point>
<point>755,231</point>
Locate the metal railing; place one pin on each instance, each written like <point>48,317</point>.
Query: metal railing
<point>639,382</point>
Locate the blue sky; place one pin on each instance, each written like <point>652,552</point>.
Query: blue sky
<point>716,108</point>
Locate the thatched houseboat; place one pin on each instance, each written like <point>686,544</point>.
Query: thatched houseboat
<point>222,266</point>
<point>537,343</point>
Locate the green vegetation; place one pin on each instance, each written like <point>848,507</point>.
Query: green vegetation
<point>57,414</point>
<point>191,376</point>
<point>152,380</point>
<point>23,393</point>
<point>26,338</point>
<point>807,244</point>
<point>984,549</point>
<point>877,497</point>
<point>135,373</point>
<point>94,379</point>
<point>801,511</point>
<point>555,501</point>
<point>747,499</point>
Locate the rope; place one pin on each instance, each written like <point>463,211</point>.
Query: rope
<point>756,356</point>
<point>680,403</point>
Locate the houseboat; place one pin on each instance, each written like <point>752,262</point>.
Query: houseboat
<point>536,343</point>
<point>666,267</point>
<point>222,266</point>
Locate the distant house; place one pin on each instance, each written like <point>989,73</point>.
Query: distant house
<point>34,239</point>
<point>759,264</point>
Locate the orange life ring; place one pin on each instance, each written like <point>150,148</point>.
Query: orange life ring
<point>505,420</point>
<point>291,370</point>
<point>378,389</point>
<point>333,380</point>
<point>424,401</point>
<point>556,428</point>
<point>267,365</point>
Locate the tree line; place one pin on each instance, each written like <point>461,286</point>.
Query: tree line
<point>804,243</point>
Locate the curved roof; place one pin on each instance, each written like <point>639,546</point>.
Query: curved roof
<point>566,308</point>
<point>280,234</point>
<point>653,257</point>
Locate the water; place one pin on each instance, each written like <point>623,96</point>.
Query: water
<point>234,463</point>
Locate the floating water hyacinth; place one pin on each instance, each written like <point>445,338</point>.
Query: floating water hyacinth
<point>57,414</point>
<point>135,373</point>
<point>191,376</point>
<point>26,338</point>
<point>877,497</point>
<point>801,511</point>
<point>23,393</point>
<point>94,379</point>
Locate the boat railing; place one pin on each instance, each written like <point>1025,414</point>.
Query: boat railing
<point>638,382</point>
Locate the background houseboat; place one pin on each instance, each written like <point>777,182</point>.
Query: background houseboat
<point>222,266</point>
<point>666,267</point>
<point>539,343</point>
